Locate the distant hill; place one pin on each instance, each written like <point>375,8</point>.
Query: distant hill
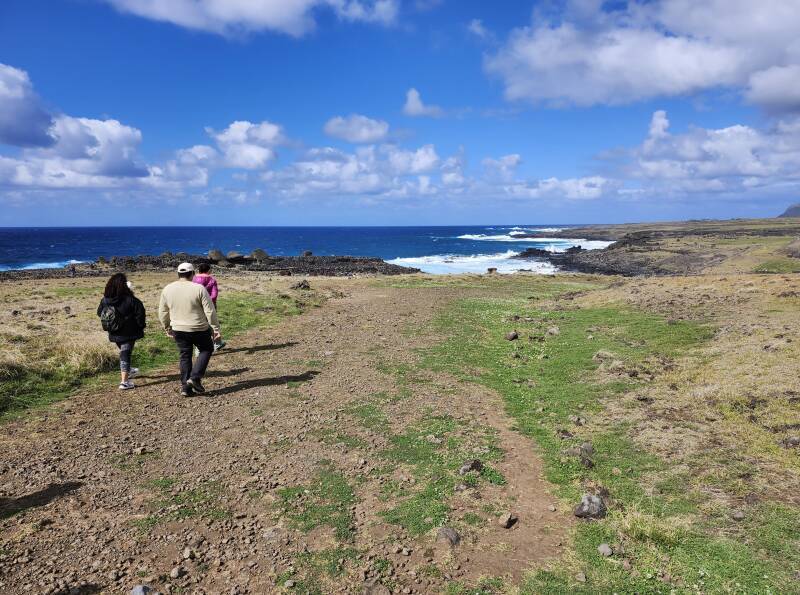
<point>792,211</point>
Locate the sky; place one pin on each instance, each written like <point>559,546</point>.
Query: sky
<point>396,112</point>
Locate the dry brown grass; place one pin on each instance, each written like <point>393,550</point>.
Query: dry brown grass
<point>726,411</point>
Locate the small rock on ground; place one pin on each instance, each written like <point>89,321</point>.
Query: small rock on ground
<point>448,535</point>
<point>591,507</point>
<point>473,465</point>
<point>605,550</point>
<point>507,520</point>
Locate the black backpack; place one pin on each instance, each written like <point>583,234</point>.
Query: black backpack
<point>111,319</point>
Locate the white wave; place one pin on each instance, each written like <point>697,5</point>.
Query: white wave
<point>555,244</point>
<point>40,265</point>
<point>451,264</point>
<point>547,229</point>
<point>585,244</point>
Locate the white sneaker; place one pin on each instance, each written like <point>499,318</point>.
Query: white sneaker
<point>133,373</point>
<point>126,385</point>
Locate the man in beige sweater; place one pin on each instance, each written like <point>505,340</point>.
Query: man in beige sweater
<point>188,315</point>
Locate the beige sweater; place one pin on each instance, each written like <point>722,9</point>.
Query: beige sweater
<point>186,306</point>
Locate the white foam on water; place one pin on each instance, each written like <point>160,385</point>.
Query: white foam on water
<point>452,264</point>
<point>40,265</point>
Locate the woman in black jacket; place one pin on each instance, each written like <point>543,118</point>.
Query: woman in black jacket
<point>123,315</point>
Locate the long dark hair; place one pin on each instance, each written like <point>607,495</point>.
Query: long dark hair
<point>117,286</point>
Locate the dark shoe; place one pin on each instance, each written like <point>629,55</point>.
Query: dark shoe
<point>195,385</point>
<point>187,392</point>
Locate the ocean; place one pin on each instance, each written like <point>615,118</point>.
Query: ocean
<point>436,250</point>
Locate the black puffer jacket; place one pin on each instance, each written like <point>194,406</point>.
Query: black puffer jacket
<point>132,310</point>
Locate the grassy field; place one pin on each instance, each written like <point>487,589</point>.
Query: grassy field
<point>52,344</point>
<point>573,376</point>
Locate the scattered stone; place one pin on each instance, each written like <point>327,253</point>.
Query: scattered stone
<point>603,355</point>
<point>553,331</point>
<point>552,508</point>
<point>177,572</point>
<point>626,564</point>
<point>141,590</point>
<point>564,434</point>
<point>737,515</point>
<point>577,420</point>
<point>507,520</point>
<point>491,270</point>
<point>140,451</point>
<point>580,577</point>
<point>591,507</point>
<point>373,587</point>
<point>307,254</point>
<point>304,284</point>
<point>188,554</point>
<point>512,336</point>
<point>605,550</point>
<point>449,535</point>
<point>473,465</point>
<point>288,584</point>
<point>791,442</point>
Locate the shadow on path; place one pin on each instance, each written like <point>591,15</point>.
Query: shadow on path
<point>177,377</point>
<point>11,506</point>
<point>256,348</point>
<point>258,382</point>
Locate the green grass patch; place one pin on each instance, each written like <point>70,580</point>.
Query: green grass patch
<point>332,437</point>
<point>434,449</point>
<point>370,415</point>
<point>326,501</point>
<point>779,265</point>
<point>548,378</point>
<point>172,504</point>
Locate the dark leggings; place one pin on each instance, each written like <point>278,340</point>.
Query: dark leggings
<point>125,352</point>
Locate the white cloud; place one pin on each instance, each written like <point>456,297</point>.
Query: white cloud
<point>248,146</point>
<point>477,28</point>
<point>587,188</point>
<point>733,159</point>
<point>590,55</point>
<point>293,17</point>
<point>386,171</point>
<point>423,160</point>
<point>415,107</point>
<point>503,168</point>
<point>356,128</point>
<point>23,120</point>
<point>776,88</point>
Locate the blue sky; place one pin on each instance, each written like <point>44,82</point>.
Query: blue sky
<point>376,112</point>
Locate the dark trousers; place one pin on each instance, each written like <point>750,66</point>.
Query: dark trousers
<point>185,342</point>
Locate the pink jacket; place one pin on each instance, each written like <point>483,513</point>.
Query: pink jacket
<point>209,283</point>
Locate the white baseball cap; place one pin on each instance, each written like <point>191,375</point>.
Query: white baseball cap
<point>186,267</point>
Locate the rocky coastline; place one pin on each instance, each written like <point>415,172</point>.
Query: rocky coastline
<point>307,264</point>
<point>608,261</point>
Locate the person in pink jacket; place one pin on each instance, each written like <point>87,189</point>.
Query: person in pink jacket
<point>207,280</point>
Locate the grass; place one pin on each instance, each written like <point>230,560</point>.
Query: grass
<point>38,368</point>
<point>326,501</point>
<point>433,450</point>
<point>779,265</point>
<point>667,538</point>
<point>173,504</point>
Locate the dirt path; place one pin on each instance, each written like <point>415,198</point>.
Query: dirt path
<point>109,490</point>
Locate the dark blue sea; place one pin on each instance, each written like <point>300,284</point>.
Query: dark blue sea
<point>437,250</point>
